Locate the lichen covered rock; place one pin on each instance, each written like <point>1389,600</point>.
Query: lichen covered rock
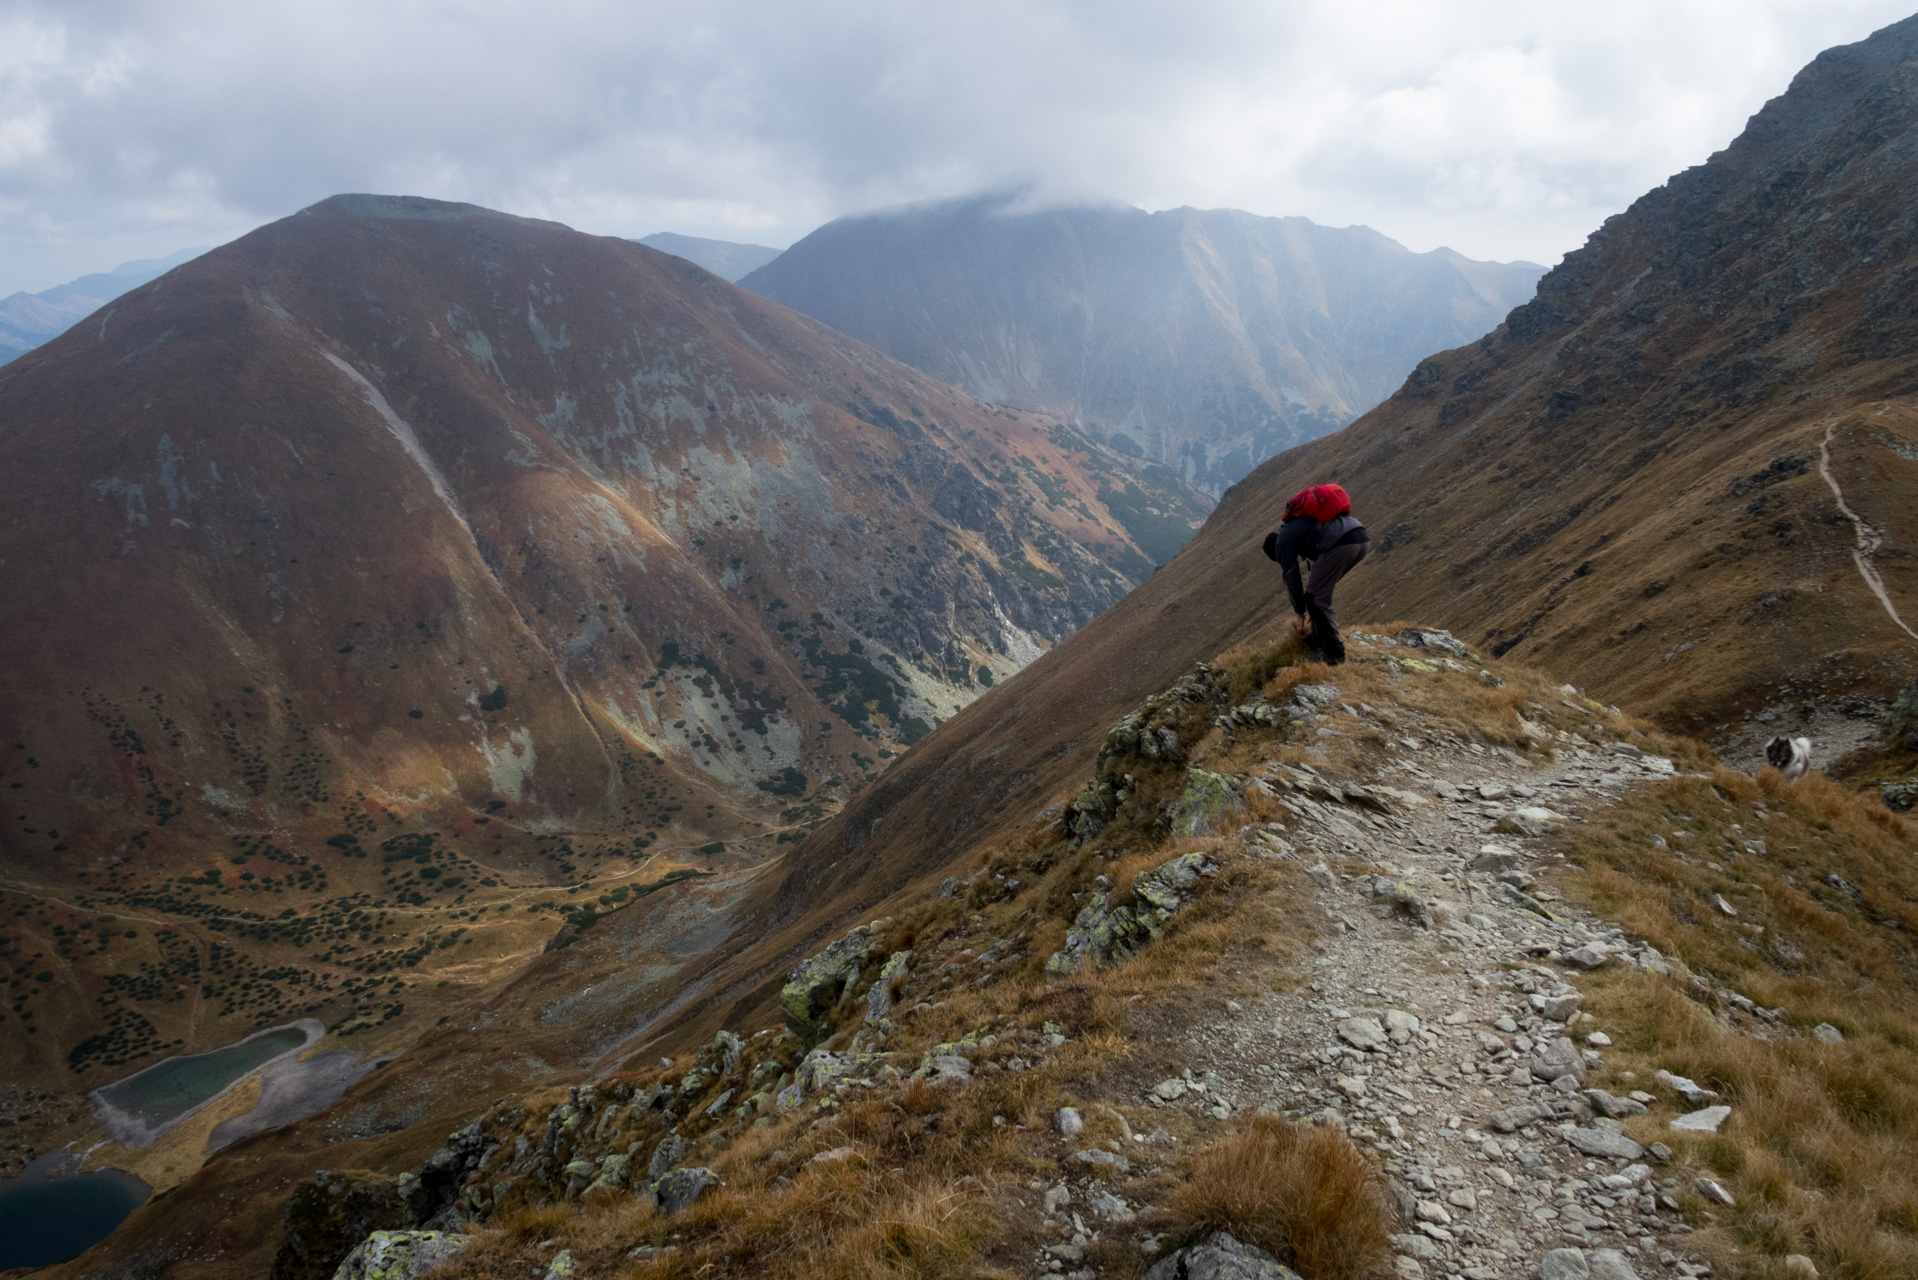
<point>1103,935</point>
<point>822,981</point>
<point>399,1255</point>
<point>1210,802</point>
<point>676,1192</point>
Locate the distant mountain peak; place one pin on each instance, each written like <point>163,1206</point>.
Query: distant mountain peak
<point>1204,340</point>
<point>724,258</point>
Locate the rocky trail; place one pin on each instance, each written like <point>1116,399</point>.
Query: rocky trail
<point>1440,1020</point>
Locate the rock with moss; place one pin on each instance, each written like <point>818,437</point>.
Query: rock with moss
<point>1090,811</point>
<point>329,1214</point>
<point>678,1190</point>
<point>823,981</point>
<point>722,1055</point>
<point>670,1151</point>
<point>399,1255</point>
<point>879,998</point>
<point>1102,935</point>
<point>1211,801</point>
<point>1144,733</point>
<point>610,1174</point>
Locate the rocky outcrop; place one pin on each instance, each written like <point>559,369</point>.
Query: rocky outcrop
<point>1210,801</point>
<point>822,982</point>
<point>328,1215</point>
<point>399,1255</point>
<point>1103,934</point>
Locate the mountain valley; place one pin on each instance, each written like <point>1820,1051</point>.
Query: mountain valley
<point>432,583</point>
<point>753,809</point>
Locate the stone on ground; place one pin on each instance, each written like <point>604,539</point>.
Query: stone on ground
<point>1220,1257</point>
<point>399,1255</point>
<point>1705,1121</point>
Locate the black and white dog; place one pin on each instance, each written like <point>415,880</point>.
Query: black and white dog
<point>1790,756</point>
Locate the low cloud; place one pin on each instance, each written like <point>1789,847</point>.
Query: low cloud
<point>1503,129</point>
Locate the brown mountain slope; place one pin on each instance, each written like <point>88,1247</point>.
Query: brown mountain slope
<point>402,558</point>
<point>1621,484</point>
<point>1207,339</point>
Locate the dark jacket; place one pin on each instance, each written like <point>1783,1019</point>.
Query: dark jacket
<point>1303,538</point>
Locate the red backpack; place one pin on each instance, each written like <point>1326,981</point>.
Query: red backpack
<point>1322,502</point>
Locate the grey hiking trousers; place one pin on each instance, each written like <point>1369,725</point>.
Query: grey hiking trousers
<point>1332,565</point>
<point>1326,572</point>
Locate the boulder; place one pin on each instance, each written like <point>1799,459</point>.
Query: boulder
<point>879,996</point>
<point>1685,1088</point>
<point>1103,935</point>
<point>399,1255</point>
<point>1603,1142</point>
<point>329,1214</point>
<point>821,981</point>
<point>1558,1058</point>
<point>1211,802</point>
<point>1610,1264</point>
<point>1616,1108</point>
<point>1402,900</point>
<point>1363,1034</point>
<point>1714,1191</point>
<point>1100,1158</point>
<point>670,1150</point>
<point>1310,697</point>
<point>1557,1006</point>
<point>1900,797</point>
<point>1589,956</point>
<point>1564,1264</point>
<point>1827,1033</point>
<point>1703,1121</point>
<point>1401,1026</point>
<point>1493,858</point>
<point>1220,1257</point>
<point>1514,1118</point>
<point>1433,639</point>
<point>564,1266</point>
<point>1901,723</point>
<point>1069,1122</point>
<point>677,1191</point>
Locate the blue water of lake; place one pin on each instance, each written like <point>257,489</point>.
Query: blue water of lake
<point>168,1090</point>
<point>48,1214</point>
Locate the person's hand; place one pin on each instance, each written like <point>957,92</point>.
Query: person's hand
<point>1302,625</point>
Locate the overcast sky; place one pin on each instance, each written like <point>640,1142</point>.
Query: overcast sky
<point>1502,128</point>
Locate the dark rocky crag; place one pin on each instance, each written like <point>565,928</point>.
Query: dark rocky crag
<point>1205,339</point>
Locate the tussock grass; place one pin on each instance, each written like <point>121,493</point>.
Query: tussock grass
<point>1307,1196</point>
<point>1821,1151</point>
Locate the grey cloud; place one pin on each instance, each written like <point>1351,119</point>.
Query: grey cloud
<point>1504,129</point>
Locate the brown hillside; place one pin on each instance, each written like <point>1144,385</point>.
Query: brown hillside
<point>1621,485</point>
<point>403,563</point>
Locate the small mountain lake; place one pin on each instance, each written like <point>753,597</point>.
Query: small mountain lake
<point>168,1090</point>
<point>48,1213</point>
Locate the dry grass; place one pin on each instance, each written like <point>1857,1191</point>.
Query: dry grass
<point>1821,1151</point>
<point>1307,1196</point>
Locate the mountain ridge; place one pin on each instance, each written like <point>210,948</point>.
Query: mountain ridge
<point>1203,339</point>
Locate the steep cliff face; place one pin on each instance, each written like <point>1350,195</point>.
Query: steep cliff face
<point>1204,339</point>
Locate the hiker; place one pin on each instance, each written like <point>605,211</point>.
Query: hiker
<point>1318,526</point>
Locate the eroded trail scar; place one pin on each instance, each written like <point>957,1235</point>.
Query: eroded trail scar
<point>1869,538</point>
